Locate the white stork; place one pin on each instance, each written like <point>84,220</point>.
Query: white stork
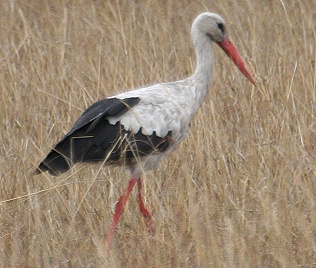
<point>139,128</point>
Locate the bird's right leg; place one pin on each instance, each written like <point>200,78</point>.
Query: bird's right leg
<point>143,209</point>
<point>119,210</point>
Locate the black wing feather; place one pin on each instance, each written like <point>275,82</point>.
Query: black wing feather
<point>72,146</point>
<point>104,108</point>
<point>94,139</point>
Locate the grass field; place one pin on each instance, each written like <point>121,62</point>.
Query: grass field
<point>240,191</point>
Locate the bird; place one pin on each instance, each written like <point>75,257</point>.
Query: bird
<point>137,129</point>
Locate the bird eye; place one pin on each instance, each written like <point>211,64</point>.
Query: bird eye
<point>221,27</point>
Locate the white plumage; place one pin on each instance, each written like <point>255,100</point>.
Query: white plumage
<point>162,108</point>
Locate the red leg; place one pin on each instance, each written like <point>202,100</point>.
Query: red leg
<point>143,209</point>
<point>119,210</point>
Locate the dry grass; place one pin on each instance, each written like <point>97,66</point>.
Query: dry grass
<point>239,192</point>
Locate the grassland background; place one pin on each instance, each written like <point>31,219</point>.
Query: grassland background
<point>240,191</point>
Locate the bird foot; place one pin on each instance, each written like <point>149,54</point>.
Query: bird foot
<point>150,225</point>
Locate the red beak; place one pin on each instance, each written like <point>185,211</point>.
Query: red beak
<point>232,52</point>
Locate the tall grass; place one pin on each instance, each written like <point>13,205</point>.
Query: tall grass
<point>240,191</point>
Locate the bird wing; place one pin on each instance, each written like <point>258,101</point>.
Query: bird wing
<point>88,132</point>
<point>125,126</point>
<point>103,109</point>
<point>162,108</point>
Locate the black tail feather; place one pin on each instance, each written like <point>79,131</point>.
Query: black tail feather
<point>55,163</point>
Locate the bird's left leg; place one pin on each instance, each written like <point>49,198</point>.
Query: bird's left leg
<point>143,209</point>
<point>119,209</point>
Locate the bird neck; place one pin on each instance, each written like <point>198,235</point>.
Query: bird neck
<point>204,67</point>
